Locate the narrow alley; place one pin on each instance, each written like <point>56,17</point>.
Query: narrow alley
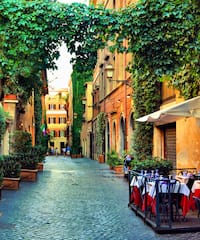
<point>73,199</point>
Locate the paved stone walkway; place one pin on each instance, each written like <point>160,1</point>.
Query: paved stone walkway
<point>74,199</point>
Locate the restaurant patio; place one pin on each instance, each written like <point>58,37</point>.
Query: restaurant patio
<point>168,204</point>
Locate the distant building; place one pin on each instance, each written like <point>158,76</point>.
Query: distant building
<point>57,119</point>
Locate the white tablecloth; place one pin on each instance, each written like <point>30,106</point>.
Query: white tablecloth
<point>196,185</point>
<point>179,187</point>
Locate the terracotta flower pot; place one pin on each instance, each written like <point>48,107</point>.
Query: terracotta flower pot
<point>118,169</point>
<point>10,97</point>
<point>101,158</point>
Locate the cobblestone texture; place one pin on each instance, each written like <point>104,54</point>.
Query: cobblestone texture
<point>74,199</point>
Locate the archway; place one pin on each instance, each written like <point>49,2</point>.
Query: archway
<point>122,135</point>
<point>114,145</point>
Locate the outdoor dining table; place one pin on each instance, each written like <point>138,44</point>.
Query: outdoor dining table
<point>179,188</point>
<point>196,188</point>
<point>195,192</point>
<point>182,179</point>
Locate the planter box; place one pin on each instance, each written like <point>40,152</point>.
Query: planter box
<point>40,167</point>
<point>119,169</point>
<point>29,175</point>
<point>73,155</point>
<point>10,183</point>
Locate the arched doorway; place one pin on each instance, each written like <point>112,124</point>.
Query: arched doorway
<point>131,127</point>
<point>107,137</point>
<point>122,135</point>
<point>114,137</point>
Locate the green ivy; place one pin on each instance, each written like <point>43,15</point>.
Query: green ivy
<point>78,80</point>
<point>162,35</point>
<point>3,116</point>
<point>101,124</point>
<point>164,39</point>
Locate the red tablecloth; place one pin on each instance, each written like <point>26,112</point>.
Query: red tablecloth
<point>185,205</point>
<point>136,197</point>
<point>150,203</point>
<point>196,193</point>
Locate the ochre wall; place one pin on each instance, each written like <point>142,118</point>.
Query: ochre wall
<point>188,143</point>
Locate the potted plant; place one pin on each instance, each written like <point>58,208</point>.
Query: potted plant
<point>40,152</point>
<point>115,162</point>
<point>11,172</point>
<point>163,166</point>
<point>21,146</point>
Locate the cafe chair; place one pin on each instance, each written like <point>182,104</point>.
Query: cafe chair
<point>190,183</point>
<point>175,199</point>
<point>197,203</point>
<point>169,200</point>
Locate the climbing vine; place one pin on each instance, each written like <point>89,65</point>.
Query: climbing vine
<point>3,116</point>
<point>78,80</point>
<point>164,39</point>
<point>162,35</point>
<point>101,124</point>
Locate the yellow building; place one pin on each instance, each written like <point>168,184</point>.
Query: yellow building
<point>176,129</point>
<point>57,119</point>
<point>86,130</point>
<point>112,94</point>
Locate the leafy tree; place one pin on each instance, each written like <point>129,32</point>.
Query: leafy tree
<point>162,35</point>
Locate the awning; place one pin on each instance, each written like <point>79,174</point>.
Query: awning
<point>188,108</point>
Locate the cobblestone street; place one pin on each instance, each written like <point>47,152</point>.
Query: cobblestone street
<point>77,199</point>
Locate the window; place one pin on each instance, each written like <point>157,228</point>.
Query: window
<point>52,133</point>
<point>61,106</point>
<point>62,120</point>
<point>52,120</point>
<point>52,106</point>
<point>62,133</point>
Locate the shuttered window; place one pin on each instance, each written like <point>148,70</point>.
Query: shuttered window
<point>170,143</point>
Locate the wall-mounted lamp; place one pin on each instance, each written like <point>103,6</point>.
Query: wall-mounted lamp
<point>109,72</point>
<point>83,100</point>
<point>75,115</point>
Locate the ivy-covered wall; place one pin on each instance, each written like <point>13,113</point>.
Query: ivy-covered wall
<point>162,35</point>
<point>78,80</point>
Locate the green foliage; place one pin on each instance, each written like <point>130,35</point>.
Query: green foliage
<point>78,80</point>
<point>38,116</point>
<point>1,169</point>
<point>20,142</point>
<point>163,166</point>
<point>11,166</point>
<point>113,159</point>
<point>163,37</point>
<point>40,152</point>
<point>3,116</point>
<point>101,124</point>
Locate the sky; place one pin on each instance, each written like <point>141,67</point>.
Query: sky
<point>59,78</point>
